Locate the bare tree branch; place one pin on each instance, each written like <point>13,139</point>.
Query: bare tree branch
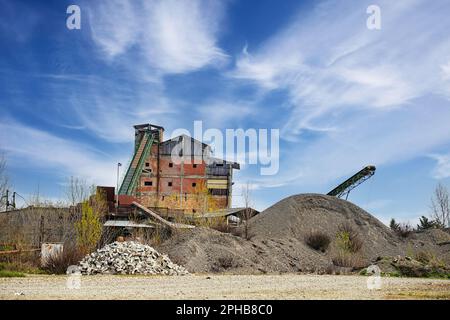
<point>77,191</point>
<point>440,206</point>
<point>4,181</point>
<point>248,212</point>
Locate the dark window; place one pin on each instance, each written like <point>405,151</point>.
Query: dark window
<point>162,198</point>
<point>218,192</point>
<point>170,183</point>
<point>194,211</point>
<point>194,165</point>
<point>147,164</point>
<point>170,164</point>
<point>194,184</point>
<point>219,164</point>
<point>148,183</point>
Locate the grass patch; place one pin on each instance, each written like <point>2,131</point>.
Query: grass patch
<point>21,268</point>
<point>11,274</point>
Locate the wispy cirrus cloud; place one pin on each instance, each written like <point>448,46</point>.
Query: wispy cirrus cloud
<point>369,97</point>
<point>27,146</point>
<point>171,36</point>
<point>442,169</point>
<point>329,61</point>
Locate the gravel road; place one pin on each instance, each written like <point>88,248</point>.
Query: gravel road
<point>287,286</point>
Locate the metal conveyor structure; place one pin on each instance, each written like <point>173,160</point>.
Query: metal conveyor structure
<point>348,185</point>
<point>146,136</point>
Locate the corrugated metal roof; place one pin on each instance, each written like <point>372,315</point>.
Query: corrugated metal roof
<point>126,223</point>
<point>223,213</point>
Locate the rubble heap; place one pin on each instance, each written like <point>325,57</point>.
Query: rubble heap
<point>129,258</point>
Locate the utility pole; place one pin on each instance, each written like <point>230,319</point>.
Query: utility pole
<point>117,185</point>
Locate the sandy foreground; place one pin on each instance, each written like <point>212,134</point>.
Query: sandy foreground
<point>287,286</point>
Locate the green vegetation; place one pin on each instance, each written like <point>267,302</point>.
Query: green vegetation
<point>6,247</point>
<point>347,239</point>
<point>348,243</point>
<point>426,223</point>
<point>403,230</point>
<point>10,274</point>
<point>9,270</point>
<point>89,228</point>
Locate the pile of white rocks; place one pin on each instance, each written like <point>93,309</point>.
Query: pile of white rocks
<point>129,258</point>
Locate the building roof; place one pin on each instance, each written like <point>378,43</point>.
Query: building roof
<point>126,223</point>
<point>224,213</point>
<point>193,147</point>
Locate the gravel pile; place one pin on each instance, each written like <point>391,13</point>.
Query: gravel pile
<point>129,258</point>
<point>277,240</point>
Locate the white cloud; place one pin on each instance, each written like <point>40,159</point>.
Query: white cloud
<point>446,71</point>
<point>26,147</point>
<point>368,97</point>
<point>329,62</point>
<point>109,111</point>
<point>224,114</point>
<point>442,169</point>
<point>172,36</point>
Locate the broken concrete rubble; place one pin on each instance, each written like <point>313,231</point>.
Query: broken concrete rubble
<point>129,258</point>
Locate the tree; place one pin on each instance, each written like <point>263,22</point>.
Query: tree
<point>426,223</point>
<point>248,211</point>
<point>394,225</point>
<point>77,191</point>
<point>89,228</point>
<point>440,206</point>
<point>401,229</point>
<point>4,182</point>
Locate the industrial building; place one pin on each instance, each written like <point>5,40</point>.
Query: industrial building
<point>178,175</point>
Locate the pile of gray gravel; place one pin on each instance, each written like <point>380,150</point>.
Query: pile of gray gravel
<point>129,258</point>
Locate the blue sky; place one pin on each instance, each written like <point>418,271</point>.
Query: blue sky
<point>343,96</point>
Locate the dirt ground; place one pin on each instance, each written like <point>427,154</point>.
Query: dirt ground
<point>286,286</point>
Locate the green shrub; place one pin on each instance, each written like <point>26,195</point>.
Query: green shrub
<point>89,228</point>
<point>347,239</point>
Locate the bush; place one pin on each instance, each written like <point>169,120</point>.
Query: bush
<point>317,240</point>
<point>404,230</point>
<point>426,223</point>
<point>89,228</point>
<point>348,239</point>
<point>348,260</point>
<point>58,263</point>
<point>226,262</point>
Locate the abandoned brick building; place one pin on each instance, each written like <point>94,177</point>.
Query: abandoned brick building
<point>177,174</point>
